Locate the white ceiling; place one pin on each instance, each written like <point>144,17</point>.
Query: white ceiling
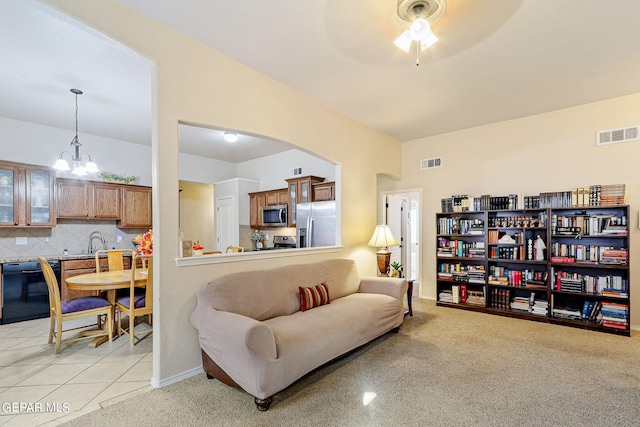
<point>496,60</point>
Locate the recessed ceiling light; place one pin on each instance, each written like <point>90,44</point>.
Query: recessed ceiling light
<point>230,137</point>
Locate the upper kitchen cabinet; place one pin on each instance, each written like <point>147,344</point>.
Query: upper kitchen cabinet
<point>136,207</point>
<point>276,197</point>
<point>324,191</point>
<point>26,195</point>
<point>128,204</point>
<point>300,191</point>
<point>89,200</point>
<point>256,203</point>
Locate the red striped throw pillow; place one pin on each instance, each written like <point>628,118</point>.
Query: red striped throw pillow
<point>314,296</point>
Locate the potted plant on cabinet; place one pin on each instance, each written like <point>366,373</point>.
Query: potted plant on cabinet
<point>396,269</point>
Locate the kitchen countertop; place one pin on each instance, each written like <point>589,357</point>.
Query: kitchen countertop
<point>26,258</point>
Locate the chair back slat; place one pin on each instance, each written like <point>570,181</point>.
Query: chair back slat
<point>115,258</point>
<point>52,285</point>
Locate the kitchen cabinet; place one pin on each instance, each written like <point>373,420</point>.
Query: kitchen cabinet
<point>26,195</point>
<point>324,191</point>
<point>87,199</point>
<point>130,205</point>
<point>260,199</point>
<point>75,267</point>
<point>276,197</point>
<point>256,203</point>
<point>300,191</point>
<point>136,207</point>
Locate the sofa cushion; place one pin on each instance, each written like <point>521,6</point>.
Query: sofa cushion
<point>314,296</point>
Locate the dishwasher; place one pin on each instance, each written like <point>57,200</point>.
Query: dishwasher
<point>25,295</point>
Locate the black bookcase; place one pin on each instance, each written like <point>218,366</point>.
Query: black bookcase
<point>566,266</point>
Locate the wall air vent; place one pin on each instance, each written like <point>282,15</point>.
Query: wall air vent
<point>614,136</point>
<point>434,162</point>
<point>295,171</point>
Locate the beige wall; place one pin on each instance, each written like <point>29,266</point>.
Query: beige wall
<point>189,82</point>
<point>547,152</point>
<point>197,213</point>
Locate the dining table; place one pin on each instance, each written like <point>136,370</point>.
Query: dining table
<point>108,281</point>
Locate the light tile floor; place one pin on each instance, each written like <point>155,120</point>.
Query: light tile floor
<point>59,387</point>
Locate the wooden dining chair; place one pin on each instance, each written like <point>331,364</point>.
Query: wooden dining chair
<point>77,308</point>
<point>235,249</point>
<point>115,258</point>
<point>115,262</point>
<point>137,304</point>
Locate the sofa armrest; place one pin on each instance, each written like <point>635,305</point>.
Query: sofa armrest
<point>391,286</point>
<point>232,334</point>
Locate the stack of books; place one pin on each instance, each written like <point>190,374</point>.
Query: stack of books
<point>475,297</point>
<point>614,315</point>
<point>540,307</point>
<point>445,296</point>
<point>520,303</point>
<point>612,195</point>
<point>614,256</point>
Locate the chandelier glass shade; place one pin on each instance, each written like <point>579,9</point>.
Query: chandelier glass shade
<point>82,163</point>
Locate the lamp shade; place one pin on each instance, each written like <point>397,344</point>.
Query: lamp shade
<point>382,237</point>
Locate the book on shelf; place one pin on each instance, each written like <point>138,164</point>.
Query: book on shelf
<point>463,293</point>
<point>564,312</point>
<point>455,294</point>
<point>565,259</point>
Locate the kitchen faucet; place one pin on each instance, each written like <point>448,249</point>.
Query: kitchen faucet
<point>95,235</point>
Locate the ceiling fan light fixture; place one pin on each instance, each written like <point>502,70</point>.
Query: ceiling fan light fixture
<point>419,15</point>
<point>420,29</point>
<point>404,41</point>
<point>428,41</point>
<point>230,137</point>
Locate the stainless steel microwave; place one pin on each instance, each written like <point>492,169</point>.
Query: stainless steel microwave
<point>274,216</point>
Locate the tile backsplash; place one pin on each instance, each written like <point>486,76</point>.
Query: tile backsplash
<point>246,232</point>
<point>72,235</point>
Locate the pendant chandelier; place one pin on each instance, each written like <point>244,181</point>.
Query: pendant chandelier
<point>82,163</point>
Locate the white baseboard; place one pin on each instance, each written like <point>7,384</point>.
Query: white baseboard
<point>176,378</point>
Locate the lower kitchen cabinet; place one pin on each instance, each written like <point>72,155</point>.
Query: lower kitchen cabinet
<point>75,267</point>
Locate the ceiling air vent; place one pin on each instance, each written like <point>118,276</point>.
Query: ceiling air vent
<point>295,171</point>
<point>614,136</point>
<point>434,162</point>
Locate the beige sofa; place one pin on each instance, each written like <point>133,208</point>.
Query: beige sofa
<point>254,336</point>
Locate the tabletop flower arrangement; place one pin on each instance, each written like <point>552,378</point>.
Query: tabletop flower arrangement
<point>144,243</point>
<point>197,248</point>
<point>258,237</point>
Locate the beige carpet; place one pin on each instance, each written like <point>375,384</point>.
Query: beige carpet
<point>445,367</point>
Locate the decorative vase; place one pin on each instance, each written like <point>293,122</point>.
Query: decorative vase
<point>197,252</point>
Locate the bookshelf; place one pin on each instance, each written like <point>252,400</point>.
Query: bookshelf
<point>567,266</point>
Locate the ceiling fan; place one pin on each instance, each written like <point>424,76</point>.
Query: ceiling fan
<point>420,14</point>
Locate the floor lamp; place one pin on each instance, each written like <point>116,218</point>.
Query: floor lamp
<point>383,238</point>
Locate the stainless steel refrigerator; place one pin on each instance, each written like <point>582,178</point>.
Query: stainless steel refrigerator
<point>316,224</point>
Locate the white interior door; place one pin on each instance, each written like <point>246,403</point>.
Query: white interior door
<point>401,214</point>
<point>396,208</point>
<point>226,223</point>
